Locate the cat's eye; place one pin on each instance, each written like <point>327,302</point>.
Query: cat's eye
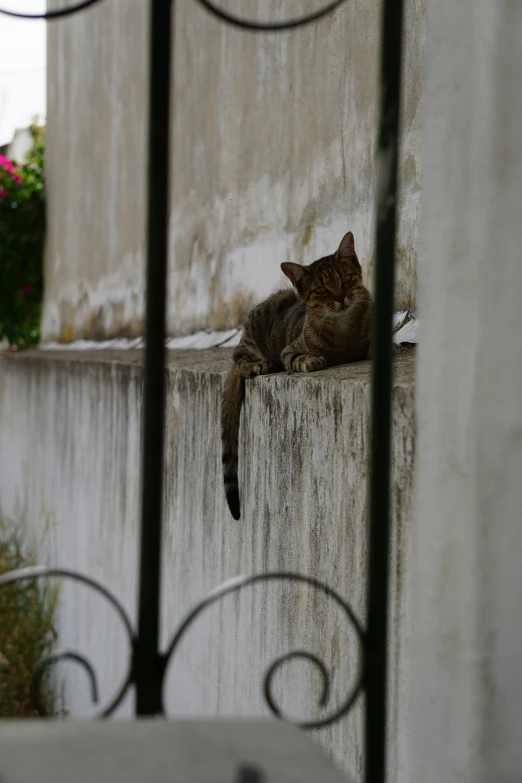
<point>347,279</point>
<point>321,290</point>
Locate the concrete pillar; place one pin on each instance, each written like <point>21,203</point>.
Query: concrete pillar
<point>466,646</point>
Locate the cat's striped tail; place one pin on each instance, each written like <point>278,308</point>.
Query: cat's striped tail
<point>231,403</point>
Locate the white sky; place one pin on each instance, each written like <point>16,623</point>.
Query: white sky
<point>22,67</point>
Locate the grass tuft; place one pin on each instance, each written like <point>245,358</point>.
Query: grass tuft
<point>27,632</point>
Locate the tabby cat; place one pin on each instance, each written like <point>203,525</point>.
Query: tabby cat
<point>325,321</point>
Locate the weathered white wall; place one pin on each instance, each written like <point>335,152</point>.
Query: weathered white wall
<point>273,159</point>
<point>466,684</point>
<point>69,450</point>
<point>21,144</point>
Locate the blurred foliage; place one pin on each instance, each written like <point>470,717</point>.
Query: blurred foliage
<point>22,236</point>
<point>27,612</point>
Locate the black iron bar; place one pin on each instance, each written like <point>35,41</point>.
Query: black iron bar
<point>148,673</point>
<point>382,376</point>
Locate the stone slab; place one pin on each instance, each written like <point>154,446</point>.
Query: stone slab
<point>163,752</point>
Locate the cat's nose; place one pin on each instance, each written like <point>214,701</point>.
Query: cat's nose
<point>339,298</point>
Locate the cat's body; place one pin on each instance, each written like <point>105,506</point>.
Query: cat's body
<point>326,321</point>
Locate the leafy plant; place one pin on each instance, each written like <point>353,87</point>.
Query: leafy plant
<point>27,611</point>
<point>22,235</point>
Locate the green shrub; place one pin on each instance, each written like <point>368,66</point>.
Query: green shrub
<point>27,611</point>
<point>22,234</point>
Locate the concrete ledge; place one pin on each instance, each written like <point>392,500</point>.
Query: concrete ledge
<point>69,449</point>
<point>165,752</point>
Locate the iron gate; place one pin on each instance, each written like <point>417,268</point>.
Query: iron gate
<point>148,663</point>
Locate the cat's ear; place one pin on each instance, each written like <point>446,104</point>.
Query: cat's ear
<point>294,272</point>
<point>347,247</point>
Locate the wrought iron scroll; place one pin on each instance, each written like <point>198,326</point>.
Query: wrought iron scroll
<point>58,13</point>
<point>147,665</point>
<point>236,584</point>
<point>132,673</point>
<point>41,572</point>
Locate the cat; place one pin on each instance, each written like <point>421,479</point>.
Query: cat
<point>325,320</point>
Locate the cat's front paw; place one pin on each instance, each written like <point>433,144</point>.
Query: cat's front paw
<point>308,363</point>
<point>249,369</point>
<point>263,368</point>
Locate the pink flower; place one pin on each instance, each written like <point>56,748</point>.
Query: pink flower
<point>17,178</point>
<point>6,164</point>
<point>3,193</point>
<point>25,291</point>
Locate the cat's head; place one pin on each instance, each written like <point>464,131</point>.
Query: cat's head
<point>330,284</point>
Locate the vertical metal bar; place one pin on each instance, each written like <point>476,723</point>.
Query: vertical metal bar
<point>148,667</point>
<point>382,371</point>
